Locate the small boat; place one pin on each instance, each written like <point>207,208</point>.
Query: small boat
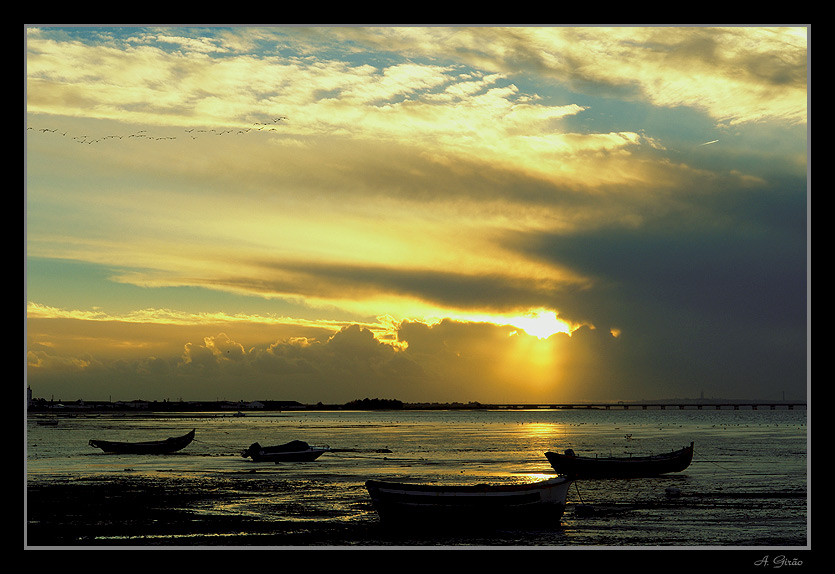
<point>166,446</point>
<point>569,464</point>
<point>478,505</point>
<point>293,451</point>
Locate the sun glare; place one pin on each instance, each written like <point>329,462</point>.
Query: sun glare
<point>541,324</point>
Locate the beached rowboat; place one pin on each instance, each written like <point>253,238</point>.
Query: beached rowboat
<point>480,505</point>
<point>569,464</point>
<point>165,446</point>
<point>293,451</point>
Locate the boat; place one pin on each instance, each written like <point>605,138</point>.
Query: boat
<point>293,451</point>
<point>165,446</point>
<point>569,464</point>
<point>476,505</point>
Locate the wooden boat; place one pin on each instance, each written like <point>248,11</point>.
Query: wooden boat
<point>479,505</point>
<point>165,446</point>
<point>569,464</point>
<point>293,451</point>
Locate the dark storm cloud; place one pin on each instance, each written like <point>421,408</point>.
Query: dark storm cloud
<point>716,299</point>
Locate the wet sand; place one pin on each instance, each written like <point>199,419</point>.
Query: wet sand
<point>138,511</point>
<point>141,511</point>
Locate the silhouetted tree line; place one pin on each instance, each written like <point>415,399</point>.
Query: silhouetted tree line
<point>372,404</point>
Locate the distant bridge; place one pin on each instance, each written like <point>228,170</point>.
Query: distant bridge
<point>734,405</point>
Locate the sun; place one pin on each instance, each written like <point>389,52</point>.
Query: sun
<point>540,323</point>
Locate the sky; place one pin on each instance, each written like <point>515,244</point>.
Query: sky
<point>431,214</point>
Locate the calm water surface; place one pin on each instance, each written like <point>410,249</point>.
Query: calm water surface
<point>747,486</point>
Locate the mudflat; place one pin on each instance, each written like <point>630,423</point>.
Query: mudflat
<point>141,511</point>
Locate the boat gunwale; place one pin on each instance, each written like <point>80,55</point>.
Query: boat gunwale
<point>452,489</point>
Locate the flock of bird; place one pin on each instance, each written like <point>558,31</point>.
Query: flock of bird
<point>193,133</point>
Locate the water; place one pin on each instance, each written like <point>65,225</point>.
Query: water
<point>747,486</point>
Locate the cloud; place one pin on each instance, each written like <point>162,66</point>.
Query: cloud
<point>447,178</point>
<point>448,361</point>
<point>735,74</point>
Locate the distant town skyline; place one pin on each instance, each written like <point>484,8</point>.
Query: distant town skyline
<point>427,213</point>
